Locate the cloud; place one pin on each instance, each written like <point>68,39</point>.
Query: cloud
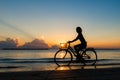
<point>35,44</point>
<point>8,43</point>
<point>12,44</point>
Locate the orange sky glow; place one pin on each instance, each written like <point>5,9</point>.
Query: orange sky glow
<point>55,21</point>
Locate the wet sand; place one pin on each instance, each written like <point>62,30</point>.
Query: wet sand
<point>76,74</point>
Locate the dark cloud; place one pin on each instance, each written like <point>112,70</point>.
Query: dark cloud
<point>12,44</point>
<point>8,43</point>
<point>36,43</point>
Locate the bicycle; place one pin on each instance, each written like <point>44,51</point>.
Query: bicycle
<point>66,55</point>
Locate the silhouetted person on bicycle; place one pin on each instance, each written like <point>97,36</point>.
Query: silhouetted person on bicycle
<point>83,44</point>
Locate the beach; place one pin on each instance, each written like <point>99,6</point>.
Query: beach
<point>76,74</point>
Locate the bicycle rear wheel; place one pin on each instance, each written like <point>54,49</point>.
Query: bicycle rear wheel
<point>89,56</point>
<point>63,57</point>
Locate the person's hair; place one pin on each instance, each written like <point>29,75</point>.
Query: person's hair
<point>78,29</point>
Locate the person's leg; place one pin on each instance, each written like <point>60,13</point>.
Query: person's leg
<point>77,49</point>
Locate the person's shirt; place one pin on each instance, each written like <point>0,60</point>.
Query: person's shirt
<point>81,38</point>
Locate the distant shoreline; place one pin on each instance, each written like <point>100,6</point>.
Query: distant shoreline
<point>106,49</point>
<point>52,48</point>
<point>25,49</point>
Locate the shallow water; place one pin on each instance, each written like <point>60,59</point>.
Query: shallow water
<point>35,60</point>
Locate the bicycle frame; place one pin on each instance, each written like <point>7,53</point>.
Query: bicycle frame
<point>71,49</point>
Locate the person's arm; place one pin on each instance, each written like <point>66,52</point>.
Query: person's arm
<point>73,40</point>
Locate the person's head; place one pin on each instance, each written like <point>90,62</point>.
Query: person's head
<point>78,29</point>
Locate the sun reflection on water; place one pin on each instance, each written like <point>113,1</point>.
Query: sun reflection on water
<point>63,68</point>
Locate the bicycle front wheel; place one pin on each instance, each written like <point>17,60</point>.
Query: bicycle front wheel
<point>63,58</point>
<point>90,57</point>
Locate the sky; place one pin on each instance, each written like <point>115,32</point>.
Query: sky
<point>55,21</point>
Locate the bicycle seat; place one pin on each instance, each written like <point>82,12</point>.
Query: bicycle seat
<point>89,48</point>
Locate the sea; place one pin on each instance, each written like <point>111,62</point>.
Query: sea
<point>41,60</point>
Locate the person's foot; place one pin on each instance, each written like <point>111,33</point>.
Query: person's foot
<point>78,58</point>
<point>82,60</point>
